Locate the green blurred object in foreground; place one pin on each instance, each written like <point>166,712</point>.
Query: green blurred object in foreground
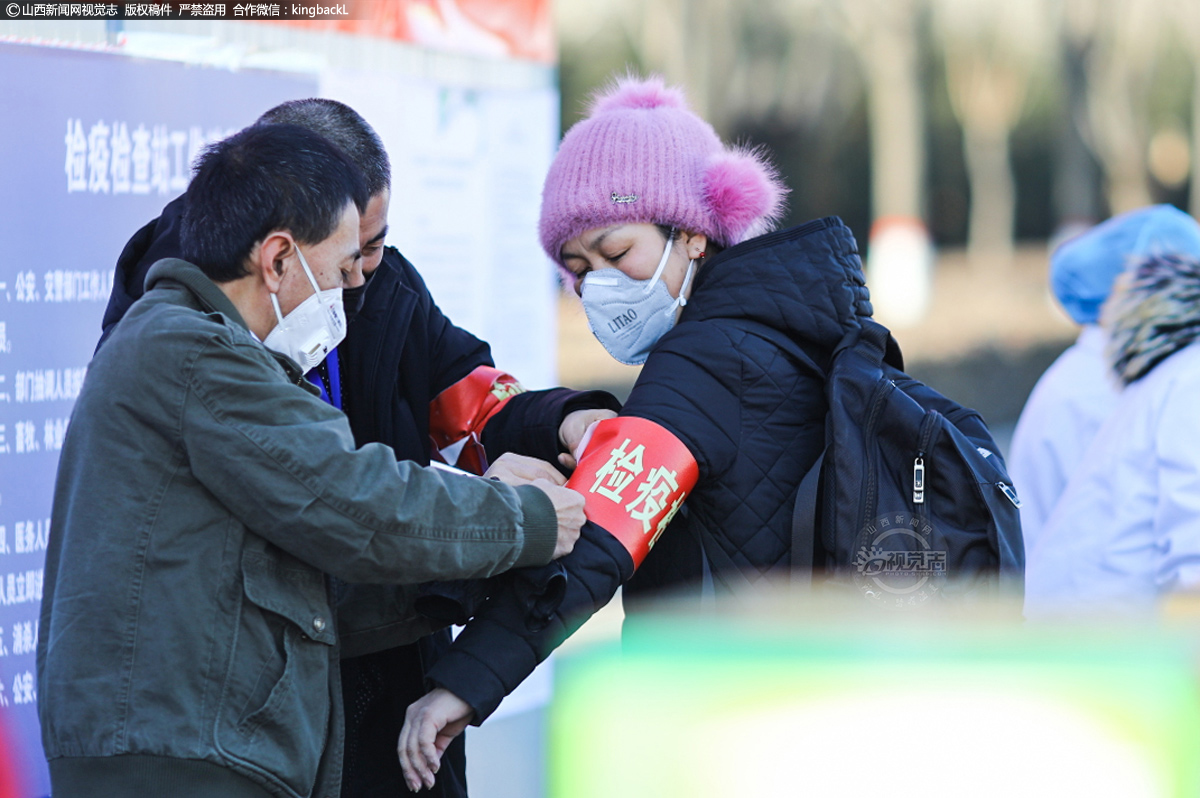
<point>723,706</point>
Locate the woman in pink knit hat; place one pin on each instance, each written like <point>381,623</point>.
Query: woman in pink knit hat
<point>665,231</point>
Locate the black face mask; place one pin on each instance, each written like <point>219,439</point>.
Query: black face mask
<point>352,298</point>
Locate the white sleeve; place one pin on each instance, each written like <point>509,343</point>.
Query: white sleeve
<point>1177,514</point>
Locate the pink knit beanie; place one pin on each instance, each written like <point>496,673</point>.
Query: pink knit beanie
<point>643,156</point>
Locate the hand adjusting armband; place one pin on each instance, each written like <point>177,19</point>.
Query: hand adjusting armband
<point>458,415</point>
<point>634,475</point>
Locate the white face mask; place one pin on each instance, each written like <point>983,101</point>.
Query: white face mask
<point>313,328</point>
<point>629,316</point>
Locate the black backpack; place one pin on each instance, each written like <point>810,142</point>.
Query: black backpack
<point>910,500</point>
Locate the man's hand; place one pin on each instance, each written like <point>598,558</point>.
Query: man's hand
<point>517,469</point>
<point>568,506</point>
<point>571,433</point>
<point>430,724</point>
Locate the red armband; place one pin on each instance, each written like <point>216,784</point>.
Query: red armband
<point>634,475</point>
<point>462,410</point>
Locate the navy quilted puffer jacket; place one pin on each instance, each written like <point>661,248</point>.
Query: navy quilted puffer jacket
<point>752,418</point>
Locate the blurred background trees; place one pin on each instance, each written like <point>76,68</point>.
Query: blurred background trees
<point>959,139</point>
<point>991,122</point>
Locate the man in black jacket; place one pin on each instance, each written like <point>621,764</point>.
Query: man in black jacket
<point>406,377</point>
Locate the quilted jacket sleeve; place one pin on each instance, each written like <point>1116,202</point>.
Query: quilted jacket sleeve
<point>529,423</point>
<point>502,645</point>
<point>692,385</point>
<point>689,385</point>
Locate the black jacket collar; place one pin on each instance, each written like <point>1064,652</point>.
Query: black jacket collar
<point>806,282</point>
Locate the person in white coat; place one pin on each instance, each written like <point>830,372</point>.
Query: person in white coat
<point>1078,391</point>
<point>1127,528</point>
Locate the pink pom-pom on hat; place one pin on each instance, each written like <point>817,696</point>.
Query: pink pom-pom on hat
<point>745,194</point>
<point>643,156</point>
<point>632,92</point>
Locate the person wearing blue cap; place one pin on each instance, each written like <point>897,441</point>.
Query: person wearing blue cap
<point>1077,392</point>
<point>1126,529</point>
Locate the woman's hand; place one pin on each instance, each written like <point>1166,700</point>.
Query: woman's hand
<point>575,430</point>
<point>430,724</point>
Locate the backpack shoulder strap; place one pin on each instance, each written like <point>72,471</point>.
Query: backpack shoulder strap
<point>875,341</point>
<point>804,525</point>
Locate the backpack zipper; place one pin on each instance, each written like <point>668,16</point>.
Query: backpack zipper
<point>881,392</point>
<point>923,438</point>
<point>1010,492</point>
<point>919,478</point>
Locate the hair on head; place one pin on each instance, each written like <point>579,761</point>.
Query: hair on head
<point>343,126</point>
<point>264,178</point>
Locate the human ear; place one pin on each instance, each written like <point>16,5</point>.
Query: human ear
<point>694,244</point>
<point>271,258</point>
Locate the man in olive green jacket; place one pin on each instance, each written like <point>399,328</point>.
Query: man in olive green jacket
<point>204,494</point>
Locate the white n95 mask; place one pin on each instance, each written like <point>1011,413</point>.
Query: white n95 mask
<point>629,316</point>
<point>313,328</point>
